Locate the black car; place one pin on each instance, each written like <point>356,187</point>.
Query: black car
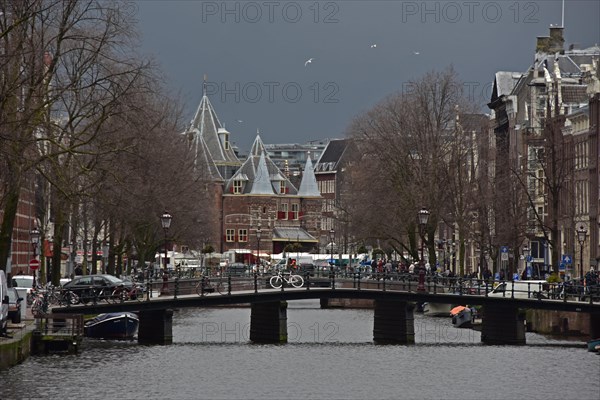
<point>14,305</point>
<point>95,287</point>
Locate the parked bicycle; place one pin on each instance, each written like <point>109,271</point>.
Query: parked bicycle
<point>39,306</point>
<point>277,281</point>
<point>205,286</point>
<point>123,293</point>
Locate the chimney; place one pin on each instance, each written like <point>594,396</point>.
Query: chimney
<point>557,40</point>
<point>543,44</point>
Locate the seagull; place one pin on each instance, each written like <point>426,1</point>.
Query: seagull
<point>373,45</point>
<point>416,53</point>
<point>310,60</point>
<point>240,121</point>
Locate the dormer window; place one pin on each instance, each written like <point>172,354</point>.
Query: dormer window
<point>282,187</point>
<point>237,187</point>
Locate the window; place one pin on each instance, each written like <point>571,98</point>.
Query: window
<point>295,208</point>
<point>282,187</point>
<point>242,235</point>
<point>283,211</point>
<point>230,235</point>
<point>237,187</point>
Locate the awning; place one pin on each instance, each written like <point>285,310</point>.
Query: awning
<point>292,234</point>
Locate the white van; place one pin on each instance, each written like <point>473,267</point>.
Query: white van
<point>528,289</point>
<point>4,305</point>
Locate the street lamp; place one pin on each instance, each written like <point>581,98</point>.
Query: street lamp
<point>331,239</point>
<point>525,258</point>
<point>35,241</point>
<point>258,235</point>
<point>423,217</point>
<point>165,220</point>
<point>581,236</point>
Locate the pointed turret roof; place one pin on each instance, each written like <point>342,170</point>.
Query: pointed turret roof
<point>260,174</point>
<point>308,185</point>
<point>262,180</point>
<point>206,126</point>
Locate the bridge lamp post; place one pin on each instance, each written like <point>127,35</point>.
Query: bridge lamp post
<point>165,220</point>
<point>525,257</point>
<point>258,235</point>
<point>581,236</point>
<point>35,241</point>
<point>423,216</point>
<point>331,239</point>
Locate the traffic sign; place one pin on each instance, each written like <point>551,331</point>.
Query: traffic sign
<point>567,259</point>
<point>504,249</point>
<point>34,264</point>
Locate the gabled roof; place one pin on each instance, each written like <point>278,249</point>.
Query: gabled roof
<point>308,185</point>
<point>260,174</point>
<point>504,83</point>
<point>331,156</point>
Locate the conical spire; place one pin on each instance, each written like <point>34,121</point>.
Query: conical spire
<point>262,179</point>
<point>308,185</point>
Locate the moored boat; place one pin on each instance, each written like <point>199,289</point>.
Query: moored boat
<point>594,345</point>
<point>117,325</point>
<point>462,317</point>
<point>436,309</point>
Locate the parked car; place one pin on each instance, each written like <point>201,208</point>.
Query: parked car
<point>14,305</point>
<point>94,287</point>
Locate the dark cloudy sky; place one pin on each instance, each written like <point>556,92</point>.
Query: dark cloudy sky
<point>254,54</point>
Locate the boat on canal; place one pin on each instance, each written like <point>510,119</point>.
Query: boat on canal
<point>462,317</point>
<point>436,309</point>
<point>117,325</point>
<point>594,345</point>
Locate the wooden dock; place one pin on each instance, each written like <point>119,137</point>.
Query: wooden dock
<point>57,333</point>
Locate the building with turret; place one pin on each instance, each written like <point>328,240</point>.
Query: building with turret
<point>259,209</point>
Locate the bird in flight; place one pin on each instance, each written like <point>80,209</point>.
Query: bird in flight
<point>373,45</point>
<point>240,121</point>
<point>309,61</point>
<point>416,53</point>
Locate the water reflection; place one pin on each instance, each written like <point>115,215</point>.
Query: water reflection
<point>330,354</point>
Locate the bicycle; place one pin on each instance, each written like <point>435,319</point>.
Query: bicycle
<point>277,281</point>
<point>206,286</point>
<point>121,294</point>
<point>39,306</point>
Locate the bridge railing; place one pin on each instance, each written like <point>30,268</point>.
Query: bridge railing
<point>402,281</point>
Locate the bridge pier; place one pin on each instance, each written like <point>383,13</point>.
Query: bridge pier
<point>268,322</point>
<point>393,322</point>
<point>502,324</point>
<point>156,327</point>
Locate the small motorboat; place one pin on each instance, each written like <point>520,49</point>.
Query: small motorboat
<point>593,345</point>
<point>436,309</point>
<point>462,317</point>
<point>117,325</point>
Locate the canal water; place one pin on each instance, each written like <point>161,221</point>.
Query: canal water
<point>330,355</point>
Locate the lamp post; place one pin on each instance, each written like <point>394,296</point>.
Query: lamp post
<point>165,220</point>
<point>525,259</point>
<point>35,241</point>
<point>258,235</point>
<point>331,239</point>
<point>581,236</point>
<point>423,217</point>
